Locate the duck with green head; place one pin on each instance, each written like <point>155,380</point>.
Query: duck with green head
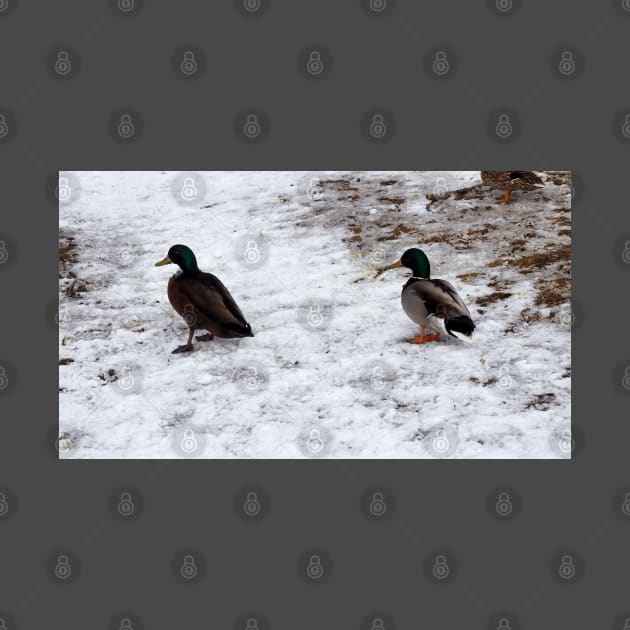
<point>202,300</point>
<point>432,303</point>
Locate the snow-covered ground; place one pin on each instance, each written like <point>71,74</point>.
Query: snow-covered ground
<point>329,373</point>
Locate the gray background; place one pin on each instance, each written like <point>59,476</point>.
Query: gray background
<point>498,61</point>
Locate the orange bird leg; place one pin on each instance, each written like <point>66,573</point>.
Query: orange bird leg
<point>422,338</point>
<point>506,197</point>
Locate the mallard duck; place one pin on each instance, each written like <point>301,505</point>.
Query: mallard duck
<point>202,300</point>
<point>434,304</point>
<point>507,181</point>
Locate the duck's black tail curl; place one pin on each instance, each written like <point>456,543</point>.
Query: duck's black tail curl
<point>461,324</point>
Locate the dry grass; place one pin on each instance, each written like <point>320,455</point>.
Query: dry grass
<point>497,296</point>
<point>554,292</point>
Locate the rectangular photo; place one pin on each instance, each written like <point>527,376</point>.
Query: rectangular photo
<point>297,315</point>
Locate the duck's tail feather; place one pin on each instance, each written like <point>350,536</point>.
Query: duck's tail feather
<point>461,327</point>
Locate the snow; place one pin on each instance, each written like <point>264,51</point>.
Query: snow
<point>328,373</point>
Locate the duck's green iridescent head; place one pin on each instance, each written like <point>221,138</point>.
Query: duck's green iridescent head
<point>416,260</point>
<point>182,256</point>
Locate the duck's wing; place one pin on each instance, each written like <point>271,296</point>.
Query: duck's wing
<point>210,297</point>
<point>440,298</point>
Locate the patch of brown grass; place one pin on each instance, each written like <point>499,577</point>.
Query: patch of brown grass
<point>554,292</point>
<point>471,275</point>
<point>396,201</point>
<point>341,184</point>
<point>533,262</point>
<point>562,220</point>
<point>497,296</point>
<point>396,233</point>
